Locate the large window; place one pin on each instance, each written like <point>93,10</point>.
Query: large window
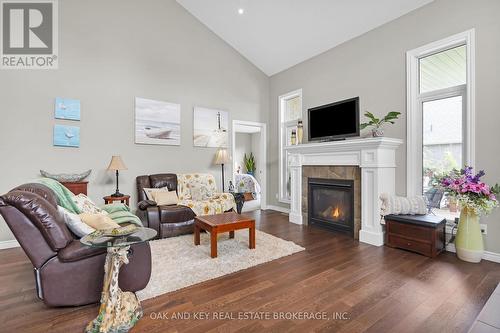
<point>440,116</point>
<point>290,111</point>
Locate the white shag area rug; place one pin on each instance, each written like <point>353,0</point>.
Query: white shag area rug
<point>177,263</point>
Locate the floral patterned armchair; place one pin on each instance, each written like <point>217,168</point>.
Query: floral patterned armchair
<point>198,191</point>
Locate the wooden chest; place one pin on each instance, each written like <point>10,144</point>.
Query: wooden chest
<point>424,234</point>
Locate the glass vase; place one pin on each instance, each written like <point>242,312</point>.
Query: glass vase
<point>469,239</point>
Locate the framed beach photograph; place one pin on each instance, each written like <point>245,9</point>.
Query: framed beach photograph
<point>210,128</point>
<point>157,123</point>
<point>68,109</point>
<point>66,136</point>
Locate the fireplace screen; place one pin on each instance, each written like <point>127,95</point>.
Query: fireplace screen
<point>331,204</point>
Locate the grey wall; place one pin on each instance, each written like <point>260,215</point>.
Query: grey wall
<point>110,52</point>
<point>372,66</point>
<point>247,143</point>
<point>242,146</point>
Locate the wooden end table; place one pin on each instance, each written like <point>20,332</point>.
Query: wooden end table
<point>220,223</point>
<point>110,199</point>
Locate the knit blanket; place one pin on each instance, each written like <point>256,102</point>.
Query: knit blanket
<point>64,196</point>
<point>120,213</point>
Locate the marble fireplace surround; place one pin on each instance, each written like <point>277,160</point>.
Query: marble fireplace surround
<point>376,158</point>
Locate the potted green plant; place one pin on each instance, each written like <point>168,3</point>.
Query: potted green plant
<point>378,123</point>
<point>249,163</point>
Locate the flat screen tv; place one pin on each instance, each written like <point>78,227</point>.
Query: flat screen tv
<point>335,121</point>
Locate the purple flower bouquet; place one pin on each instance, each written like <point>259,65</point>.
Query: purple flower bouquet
<point>469,191</point>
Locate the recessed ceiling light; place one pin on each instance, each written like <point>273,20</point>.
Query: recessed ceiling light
<point>241,11</point>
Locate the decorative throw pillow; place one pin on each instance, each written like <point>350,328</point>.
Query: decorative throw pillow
<point>74,223</point>
<point>149,191</point>
<point>392,204</point>
<point>86,205</point>
<point>200,192</point>
<point>98,221</point>
<point>163,198</point>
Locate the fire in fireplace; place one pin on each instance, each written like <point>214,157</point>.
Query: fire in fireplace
<point>331,204</point>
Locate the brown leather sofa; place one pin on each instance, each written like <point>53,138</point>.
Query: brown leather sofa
<point>67,273</point>
<point>168,221</point>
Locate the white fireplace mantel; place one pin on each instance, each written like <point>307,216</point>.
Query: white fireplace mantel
<point>377,159</point>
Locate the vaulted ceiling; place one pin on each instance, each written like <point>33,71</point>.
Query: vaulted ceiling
<point>277,34</point>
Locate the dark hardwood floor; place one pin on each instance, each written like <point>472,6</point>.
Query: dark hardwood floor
<point>370,289</point>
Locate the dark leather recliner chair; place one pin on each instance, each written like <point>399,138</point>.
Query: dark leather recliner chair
<point>168,221</point>
<point>67,273</point>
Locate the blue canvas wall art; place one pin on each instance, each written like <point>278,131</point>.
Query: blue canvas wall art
<point>68,109</point>
<point>66,136</point>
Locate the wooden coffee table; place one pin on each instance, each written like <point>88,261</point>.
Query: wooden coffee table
<point>219,223</point>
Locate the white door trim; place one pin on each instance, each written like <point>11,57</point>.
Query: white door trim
<point>413,171</point>
<point>263,158</point>
<point>282,158</point>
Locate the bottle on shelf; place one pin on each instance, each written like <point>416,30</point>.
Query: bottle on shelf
<point>300,132</point>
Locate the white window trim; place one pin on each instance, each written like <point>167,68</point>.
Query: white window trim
<point>281,99</point>
<point>262,161</point>
<point>413,125</point>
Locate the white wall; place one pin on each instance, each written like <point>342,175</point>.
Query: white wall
<point>372,66</point>
<point>110,52</point>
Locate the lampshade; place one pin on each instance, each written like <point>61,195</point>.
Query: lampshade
<point>116,164</point>
<point>221,156</point>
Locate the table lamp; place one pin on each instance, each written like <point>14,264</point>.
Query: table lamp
<point>116,164</point>
<point>222,157</point>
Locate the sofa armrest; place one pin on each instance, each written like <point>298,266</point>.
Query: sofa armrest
<point>76,251</point>
<point>145,204</point>
<point>150,216</point>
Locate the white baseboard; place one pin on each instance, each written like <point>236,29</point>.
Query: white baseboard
<point>8,244</point>
<point>295,218</point>
<point>490,256</point>
<point>278,209</point>
<point>372,238</point>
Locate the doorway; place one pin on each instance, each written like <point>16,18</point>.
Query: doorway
<point>249,139</point>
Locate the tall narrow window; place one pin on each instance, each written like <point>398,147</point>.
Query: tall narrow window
<point>441,98</point>
<point>290,111</point>
<point>440,117</point>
